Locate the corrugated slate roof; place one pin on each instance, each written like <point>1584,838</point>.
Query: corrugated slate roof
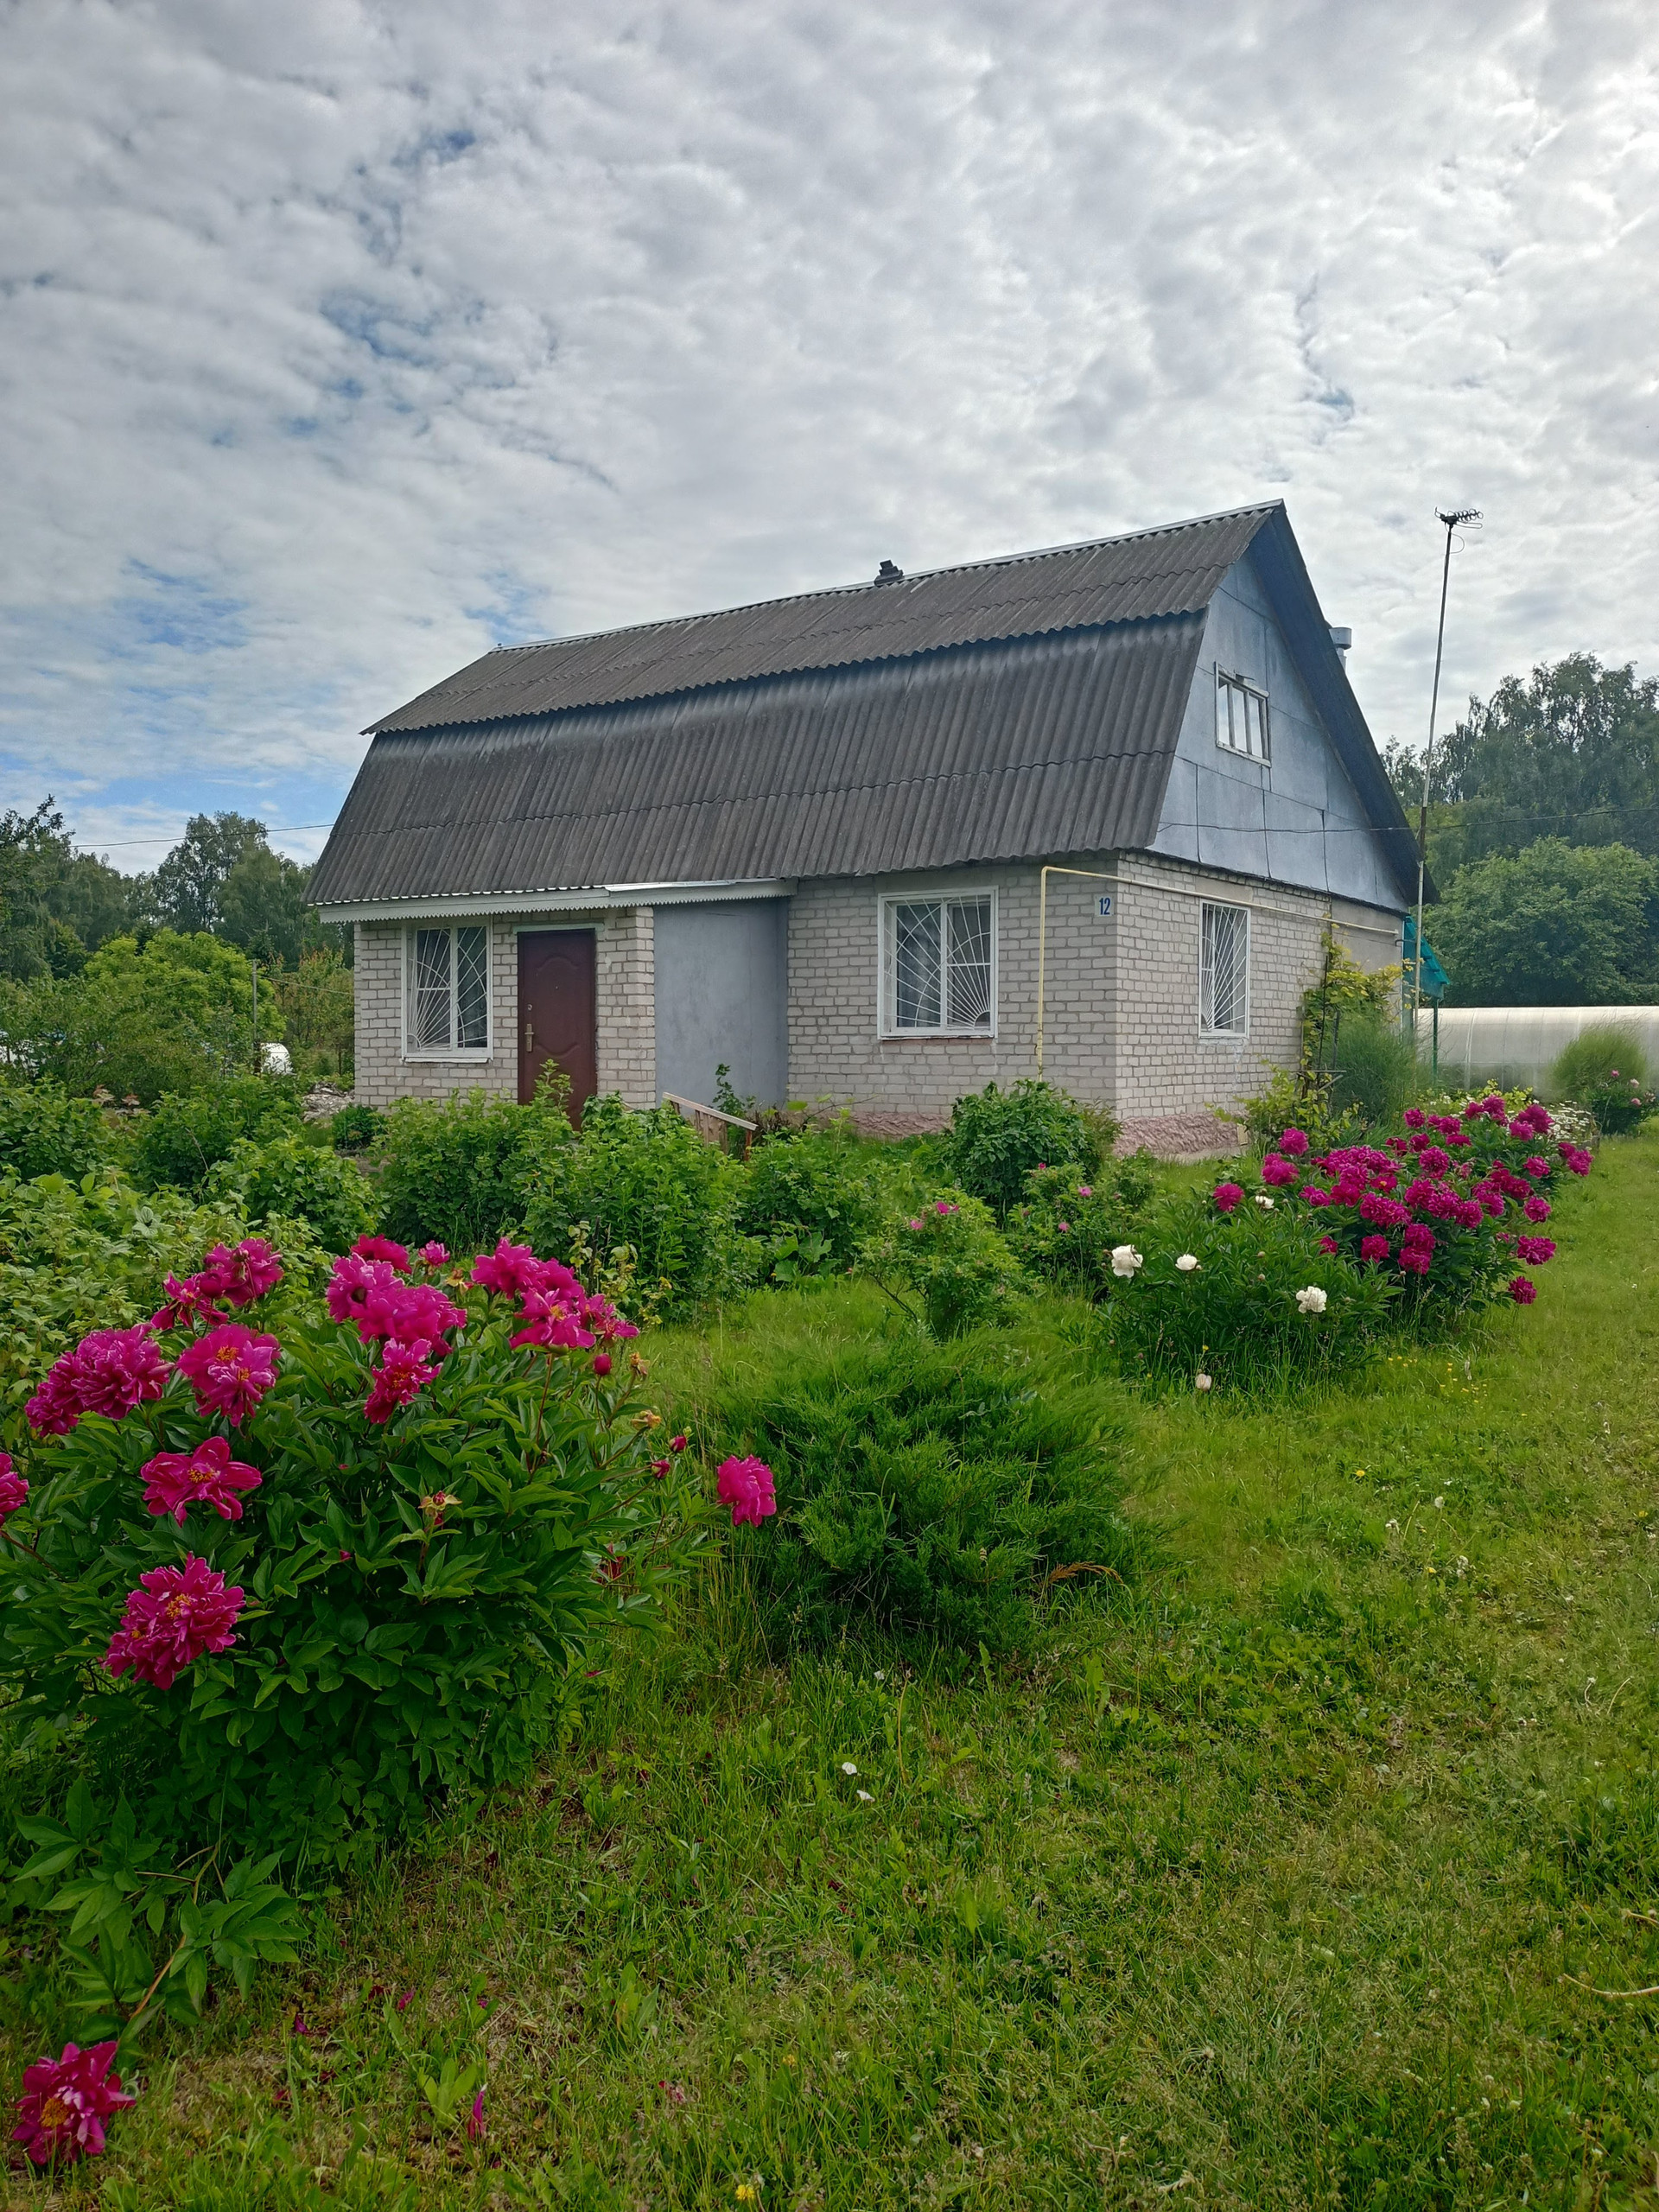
<point>1170,571</point>
<point>1010,709</point>
<point>987,752</point>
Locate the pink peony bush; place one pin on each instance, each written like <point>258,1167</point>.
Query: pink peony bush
<point>1431,1223</point>
<point>301,1569</point>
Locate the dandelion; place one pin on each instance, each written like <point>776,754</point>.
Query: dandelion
<point>1312,1299</point>
<point>1125,1260</point>
<point>1439,1503</point>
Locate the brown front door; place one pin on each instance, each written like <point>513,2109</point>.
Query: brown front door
<point>557,1012</point>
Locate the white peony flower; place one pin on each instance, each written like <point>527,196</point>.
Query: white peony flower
<point>1187,1262</point>
<point>847,1767</point>
<point>1312,1301</point>
<point>1201,1382</point>
<point>865,1798</point>
<point>1264,1201</point>
<point>1125,1260</point>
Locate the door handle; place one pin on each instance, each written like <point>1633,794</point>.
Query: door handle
<point>529,1034</point>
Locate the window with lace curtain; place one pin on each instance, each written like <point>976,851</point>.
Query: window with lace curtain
<point>447,975</point>
<point>939,966</point>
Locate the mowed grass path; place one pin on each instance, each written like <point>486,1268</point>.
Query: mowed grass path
<point>1289,1878</point>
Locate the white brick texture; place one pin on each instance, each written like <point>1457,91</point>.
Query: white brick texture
<point>626,979</point>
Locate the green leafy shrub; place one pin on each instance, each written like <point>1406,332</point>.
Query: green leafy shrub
<point>460,1170</point>
<point>646,1181</point>
<point>1605,1070</point>
<point>174,1015</point>
<point>45,1132</point>
<point>996,1138</point>
<point>87,1255</point>
<point>292,1180</point>
<point>354,1128</point>
<point>1241,1317</point>
<point>937,1493</point>
<point>183,1139</point>
<point>950,1257</point>
<point>812,1191</point>
<point>388,1584</point>
<point>1065,1230</point>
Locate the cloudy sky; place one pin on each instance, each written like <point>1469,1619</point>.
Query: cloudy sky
<point>340,340</point>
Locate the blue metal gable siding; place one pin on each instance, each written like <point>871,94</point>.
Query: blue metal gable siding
<point>1307,817</point>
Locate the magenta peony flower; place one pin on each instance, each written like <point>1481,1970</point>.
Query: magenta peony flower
<point>602,1364</point>
<point>1414,1118</point>
<point>406,1309</point>
<point>1294,1142</point>
<point>1227,1195</point>
<point>175,1616</point>
<point>109,1372</point>
<point>1537,1166</point>
<point>230,1369</point>
<point>1433,1161</point>
<point>747,1486</point>
<point>14,1490</point>
<point>1416,1261</point>
<point>944,1206</point>
<point>66,2102</point>
<point>1315,1194</point>
<point>405,1371</point>
<point>1384,1213</point>
<point>1276,1171</point>
<point>175,1481</point>
<point>240,1275</point>
<point>1524,1290</point>
<point>604,1321</point>
<point>1536,1209</point>
<point>510,1270</point>
<point>434,1254</point>
<point>912,1225</point>
<point>554,1323</point>
<point>1328,1244</point>
<point>1417,1237</point>
<point>1373,1248</point>
<point>1535,1250</point>
<point>381,1247</point>
<point>677,1443</point>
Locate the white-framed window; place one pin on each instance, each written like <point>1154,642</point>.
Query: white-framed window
<point>1241,717</point>
<point>1225,970</point>
<point>447,990</point>
<point>939,966</point>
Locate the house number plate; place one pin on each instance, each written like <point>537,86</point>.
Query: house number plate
<point>1105,906</point>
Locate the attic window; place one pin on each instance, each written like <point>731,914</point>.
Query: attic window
<point>1241,717</point>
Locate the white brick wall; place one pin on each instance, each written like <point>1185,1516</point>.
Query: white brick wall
<point>1120,1002</point>
<point>1120,996</point>
<point>626,979</point>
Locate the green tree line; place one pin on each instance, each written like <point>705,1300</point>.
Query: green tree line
<point>1544,838</point>
<point>143,983</point>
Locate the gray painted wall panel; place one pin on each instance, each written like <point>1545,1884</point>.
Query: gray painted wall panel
<point>1295,821</point>
<point>722,993</point>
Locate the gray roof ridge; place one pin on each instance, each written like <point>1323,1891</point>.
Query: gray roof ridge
<point>1263,507</point>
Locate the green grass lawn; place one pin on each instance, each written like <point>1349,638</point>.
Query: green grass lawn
<point>1295,1874</point>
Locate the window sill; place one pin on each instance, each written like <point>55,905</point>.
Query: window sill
<point>1224,1036</point>
<point>936,1037</point>
<point>468,1058</point>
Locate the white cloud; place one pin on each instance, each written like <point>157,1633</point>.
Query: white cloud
<point>339,340</point>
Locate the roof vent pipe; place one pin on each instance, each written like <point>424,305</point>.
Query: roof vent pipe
<point>889,574</point>
<point>1342,638</point>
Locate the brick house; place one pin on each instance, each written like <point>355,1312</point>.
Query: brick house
<point>1090,808</point>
